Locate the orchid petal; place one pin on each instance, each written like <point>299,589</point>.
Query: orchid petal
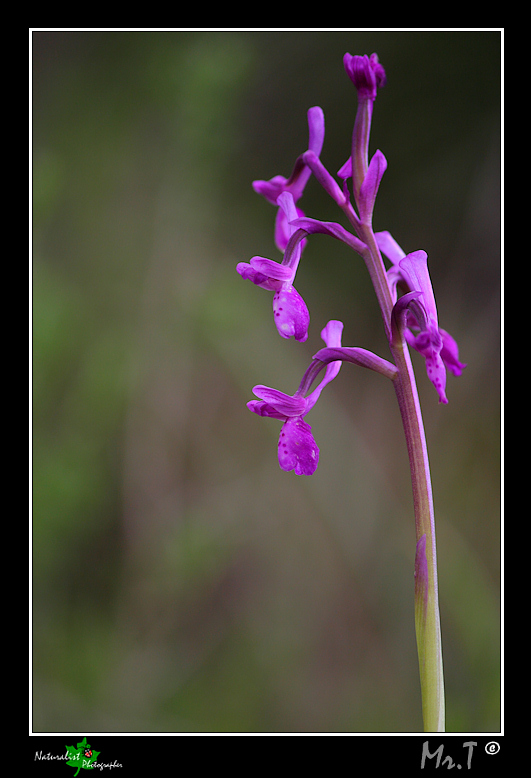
<point>251,274</point>
<point>370,184</point>
<point>271,189</point>
<point>414,269</point>
<point>286,202</point>
<point>297,449</point>
<point>331,334</point>
<point>316,127</point>
<point>388,246</point>
<point>264,409</point>
<point>437,374</point>
<point>272,269</point>
<point>450,354</point>
<point>301,173</point>
<point>284,404</point>
<point>401,311</point>
<point>345,171</point>
<point>429,343</point>
<point>286,213</point>
<point>417,309</point>
<point>291,314</point>
<point>283,231</point>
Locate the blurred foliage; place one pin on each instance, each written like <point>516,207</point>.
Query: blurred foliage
<point>182,582</point>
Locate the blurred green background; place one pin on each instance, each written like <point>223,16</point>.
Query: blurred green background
<point>181,581</point>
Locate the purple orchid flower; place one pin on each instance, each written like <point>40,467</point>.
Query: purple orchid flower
<point>297,449</point>
<point>416,312</point>
<point>295,184</point>
<point>291,314</point>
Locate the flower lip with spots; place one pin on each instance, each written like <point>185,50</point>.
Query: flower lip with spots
<point>297,449</point>
<point>291,315</point>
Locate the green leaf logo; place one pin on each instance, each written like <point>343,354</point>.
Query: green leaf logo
<point>81,757</point>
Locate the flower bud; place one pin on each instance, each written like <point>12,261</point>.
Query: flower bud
<point>366,74</point>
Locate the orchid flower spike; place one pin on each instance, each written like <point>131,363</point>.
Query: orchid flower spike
<point>291,314</point>
<point>297,449</point>
<point>415,314</point>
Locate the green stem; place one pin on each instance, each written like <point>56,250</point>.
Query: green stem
<point>426,597</point>
<point>426,591</point>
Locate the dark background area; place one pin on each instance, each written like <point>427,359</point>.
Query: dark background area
<point>181,581</point>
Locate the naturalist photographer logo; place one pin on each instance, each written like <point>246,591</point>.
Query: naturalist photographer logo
<point>81,757</point>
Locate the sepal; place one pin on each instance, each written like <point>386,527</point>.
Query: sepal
<point>284,404</point>
<point>272,269</point>
<point>369,186</point>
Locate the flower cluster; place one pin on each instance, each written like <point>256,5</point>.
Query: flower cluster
<point>414,315</point>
